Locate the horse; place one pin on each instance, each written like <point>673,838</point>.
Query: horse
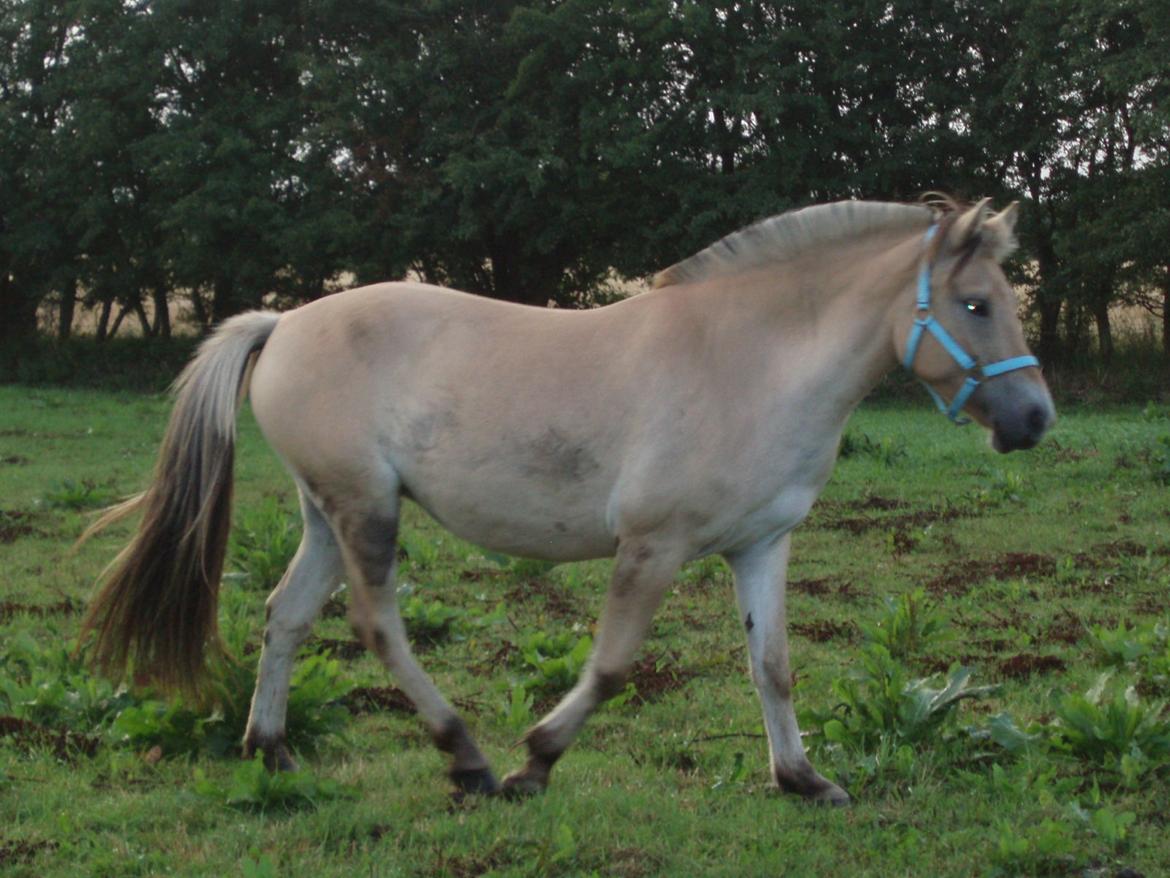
<point>701,417</point>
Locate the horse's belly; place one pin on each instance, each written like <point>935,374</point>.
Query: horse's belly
<point>518,515</point>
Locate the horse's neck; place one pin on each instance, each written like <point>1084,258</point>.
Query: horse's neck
<point>822,327</point>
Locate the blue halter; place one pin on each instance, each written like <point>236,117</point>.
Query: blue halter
<point>925,322</point>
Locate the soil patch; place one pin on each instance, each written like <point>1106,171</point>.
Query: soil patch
<point>14,459</point>
<point>556,600</point>
<point>957,577</point>
<point>1024,665</point>
<point>373,699</point>
<point>64,607</point>
<point>1068,629</point>
<point>31,736</point>
<point>15,524</point>
<point>656,677</point>
<point>820,630</point>
<point>1104,554</point>
<point>13,852</point>
<point>813,587</point>
<point>906,520</point>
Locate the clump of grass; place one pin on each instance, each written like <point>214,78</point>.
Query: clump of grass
<point>1114,729</point>
<point>909,626</point>
<point>83,494</point>
<point>263,541</point>
<point>253,788</point>
<point>886,451</point>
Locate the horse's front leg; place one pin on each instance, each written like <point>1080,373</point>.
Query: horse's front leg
<point>759,586</point>
<point>644,568</point>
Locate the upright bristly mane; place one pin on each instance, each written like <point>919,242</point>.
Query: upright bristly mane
<point>781,237</point>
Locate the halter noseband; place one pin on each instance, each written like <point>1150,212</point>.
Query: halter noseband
<point>925,322</point>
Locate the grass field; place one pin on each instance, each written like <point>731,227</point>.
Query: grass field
<point>1044,575</point>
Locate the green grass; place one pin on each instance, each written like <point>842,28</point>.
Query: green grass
<point>1039,572</point>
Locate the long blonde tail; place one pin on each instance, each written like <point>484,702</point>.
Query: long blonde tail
<point>157,610</point>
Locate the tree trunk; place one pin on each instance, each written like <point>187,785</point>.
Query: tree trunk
<point>162,312</point>
<point>223,299</point>
<point>1104,331</point>
<point>143,320</point>
<point>122,312</point>
<point>103,326</point>
<point>65,313</point>
<point>1166,318</point>
<point>18,321</point>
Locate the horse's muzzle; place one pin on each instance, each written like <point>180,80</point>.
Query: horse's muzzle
<point>1023,427</point>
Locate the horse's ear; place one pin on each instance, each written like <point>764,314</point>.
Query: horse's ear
<point>967,228</point>
<point>1000,232</point>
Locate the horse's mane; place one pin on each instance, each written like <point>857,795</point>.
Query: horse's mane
<point>783,236</point>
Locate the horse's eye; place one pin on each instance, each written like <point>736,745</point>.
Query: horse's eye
<point>978,307</point>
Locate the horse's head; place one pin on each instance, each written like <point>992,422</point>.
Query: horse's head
<point>962,336</point>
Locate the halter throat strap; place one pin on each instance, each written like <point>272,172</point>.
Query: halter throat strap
<point>924,322</point>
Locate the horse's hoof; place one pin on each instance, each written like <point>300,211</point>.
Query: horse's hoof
<point>522,785</point>
<point>276,754</point>
<point>474,782</point>
<point>805,782</point>
<point>832,796</point>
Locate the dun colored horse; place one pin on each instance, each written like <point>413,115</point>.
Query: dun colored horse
<point>699,418</point>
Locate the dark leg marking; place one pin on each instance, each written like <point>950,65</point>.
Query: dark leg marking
<point>374,539</point>
<point>533,777</point>
<point>804,781</point>
<point>276,754</point>
<point>608,684</point>
<point>468,771</point>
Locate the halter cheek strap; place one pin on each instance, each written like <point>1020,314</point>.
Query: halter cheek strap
<point>924,322</point>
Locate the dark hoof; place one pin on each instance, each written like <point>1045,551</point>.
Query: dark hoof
<point>474,782</point>
<point>806,783</point>
<point>523,784</point>
<point>276,754</point>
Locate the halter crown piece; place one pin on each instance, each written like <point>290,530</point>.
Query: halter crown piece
<point>924,322</point>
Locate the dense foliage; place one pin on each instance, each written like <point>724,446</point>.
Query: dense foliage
<point>217,155</point>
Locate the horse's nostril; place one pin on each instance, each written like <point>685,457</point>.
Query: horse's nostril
<point>1037,420</point>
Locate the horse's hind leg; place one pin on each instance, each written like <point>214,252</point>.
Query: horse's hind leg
<point>306,585</point>
<point>369,547</point>
<point>643,570</point>
<point>760,586</point>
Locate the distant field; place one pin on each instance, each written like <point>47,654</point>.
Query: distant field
<point>1027,566</point>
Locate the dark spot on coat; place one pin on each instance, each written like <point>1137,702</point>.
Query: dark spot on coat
<point>560,527</point>
<point>556,456</point>
<point>748,624</point>
<point>373,539</point>
<point>426,431</point>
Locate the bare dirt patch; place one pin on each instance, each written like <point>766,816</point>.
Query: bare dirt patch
<point>812,587</point>
<point>821,630</point>
<point>901,522</point>
<point>1024,665</point>
<point>957,577</point>
<point>556,599</point>
<point>63,743</point>
<point>376,699</point>
<point>64,607</point>
<point>13,852</point>
<point>655,677</point>
<point>15,524</point>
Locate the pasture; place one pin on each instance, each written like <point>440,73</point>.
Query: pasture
<point>979,643</point>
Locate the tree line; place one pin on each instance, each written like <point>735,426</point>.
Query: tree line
<point>210,155</point>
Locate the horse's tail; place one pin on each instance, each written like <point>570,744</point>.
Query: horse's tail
<point>158,608</point>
